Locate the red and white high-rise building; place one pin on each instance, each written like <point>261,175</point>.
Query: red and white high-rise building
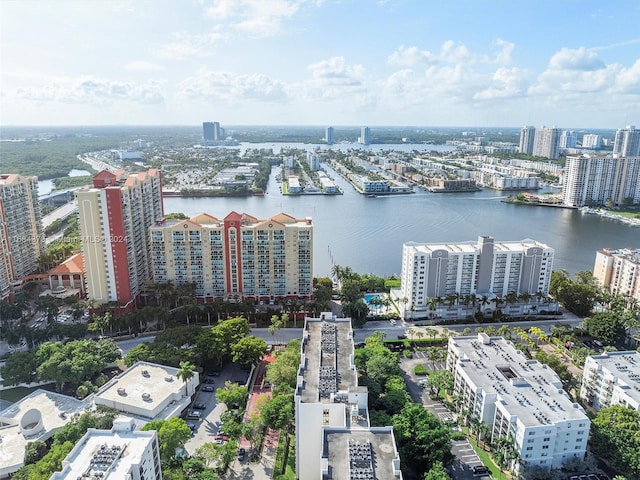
<point>115,216</point>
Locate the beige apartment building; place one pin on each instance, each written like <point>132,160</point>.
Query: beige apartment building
<point>619,270</point>
<point>239,256</point>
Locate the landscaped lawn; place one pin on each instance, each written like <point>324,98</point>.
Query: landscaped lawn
<point>18,393</point>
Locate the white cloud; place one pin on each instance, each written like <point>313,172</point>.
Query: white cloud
<point>628,79</point>
<point>143,66</point>
<point>505,83</point>
<point>185,45</point>
<point>95,91</point>
<point>575,59</point>
<point>232,88</point>
<point>453,52</point>
<point>503,57</point>
<point>410,56</point>
<point>334,79</point>
<point>254,17</point>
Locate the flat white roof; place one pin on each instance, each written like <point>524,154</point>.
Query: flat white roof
<point>472,246</point>
<point>105,454</point>
<point>54,409</point>
<point>528,389</point>
<point>624,366</point>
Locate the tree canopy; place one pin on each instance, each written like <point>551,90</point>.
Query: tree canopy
<point>615,435</point>
<point>172,434</point>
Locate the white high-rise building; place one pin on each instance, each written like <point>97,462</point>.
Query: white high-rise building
<point>598,180</point>
<point>365,136</point>
<point>627,142</point>
<point>618,270</point>
<point>21,235</point>
<point>547,142</point>
<point>116,454</point>
<point>331,410</point>
<point>568,139</point>
<point>592,141</point>
<point>115,216</point>
<point>483,267</point>
<point>518,398</point>
<point>527,136</point>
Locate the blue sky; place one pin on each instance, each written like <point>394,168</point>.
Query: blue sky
<point>321,62</point>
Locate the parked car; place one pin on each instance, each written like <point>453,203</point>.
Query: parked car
<point>207,388</point>
<point>480,470</point>
<point>199,406</point>
<point>241,454</point>
<point>209,381</point>
<point>194,414</point>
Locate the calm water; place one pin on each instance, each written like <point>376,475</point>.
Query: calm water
<point>46,186</point>
<point>367,233</point>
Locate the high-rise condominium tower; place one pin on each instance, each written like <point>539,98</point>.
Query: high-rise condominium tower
<point>547,142</point>
<point>365,135</point>
<point>115,217</point>
<point>598,180</point>
<point>527,135</point>
<point>329,136</point>
<point>21,237</point>
<point>627,142</point>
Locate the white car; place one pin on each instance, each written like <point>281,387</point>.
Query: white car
<point>393,322</point>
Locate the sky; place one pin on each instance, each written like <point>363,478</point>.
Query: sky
<point>568,63</point>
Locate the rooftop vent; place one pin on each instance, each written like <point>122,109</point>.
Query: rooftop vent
<point>145,373</point>
<point>146,397</point>
<point>122,391</point>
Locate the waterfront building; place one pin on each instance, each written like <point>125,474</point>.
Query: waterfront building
<point>365,136</point>
<point>627,142</point>
<point>592,141</point>
<point>148,391</point>
<point>329,136</point>
<point>36,417</point>
<point>293,184</point>
<point>547,142</point>
<point>618,270</point>
<point>518,398</point>
<point>598,180</point>
<point>121,453</point>
<point>612,378</point>
<point>568,139</point>
<point>115,215</point>
<point>21,235</point>
<point>239,256</point>
<point>527,136</point>
<point>470,270</point>
<point>313,160</point>
<point>331,410</point>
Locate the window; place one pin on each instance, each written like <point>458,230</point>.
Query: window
<point>529,449</point>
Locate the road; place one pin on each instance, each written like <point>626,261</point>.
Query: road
<point>61,213</point>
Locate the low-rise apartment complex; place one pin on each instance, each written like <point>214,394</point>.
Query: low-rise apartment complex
<point>334,440</point>
<point>117,454</point>
<point>612,378</point>
<point>518,398</point>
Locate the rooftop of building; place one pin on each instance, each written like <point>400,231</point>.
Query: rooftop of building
<point>472,246</point>
<point>142,387</point>
<point>36,417</point>
<point>360,454</point>
<point>9,178</point>
<point>327,347</point>
<point>73,265</point>
<point>528,389</point>
<point>631,254</point>
<point>625,366</point>
<point>105,455</point>
<point>208,221</point>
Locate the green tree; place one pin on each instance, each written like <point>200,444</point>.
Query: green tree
<point>278,413</point>
<point>422,438</point>
<point>615,435</point>
<point>249,350</point>
<point>210,453</point>
<point>172,434</point>
<point>186,372</point>
<point>232,393</point>
<point>34,451</point>
<point>20,368</point>
<point>606,326</point>
<point>437,472</point>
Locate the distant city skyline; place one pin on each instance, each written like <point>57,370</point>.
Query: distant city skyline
<point>570,63</point>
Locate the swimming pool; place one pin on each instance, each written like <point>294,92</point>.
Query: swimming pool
<point>370,296</point>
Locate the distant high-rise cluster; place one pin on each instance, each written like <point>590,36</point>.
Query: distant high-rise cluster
<point>527,135</point>
<point>568,139</point>
<point>328,137</point>
<point>627,142</point>
<point>592,141</point>
<point>547,142</point>
<point>212,132</point>
<point>20,229</point>
<point>365,136</point>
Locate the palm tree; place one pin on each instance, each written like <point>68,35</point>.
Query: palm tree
<point>185,373</point>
